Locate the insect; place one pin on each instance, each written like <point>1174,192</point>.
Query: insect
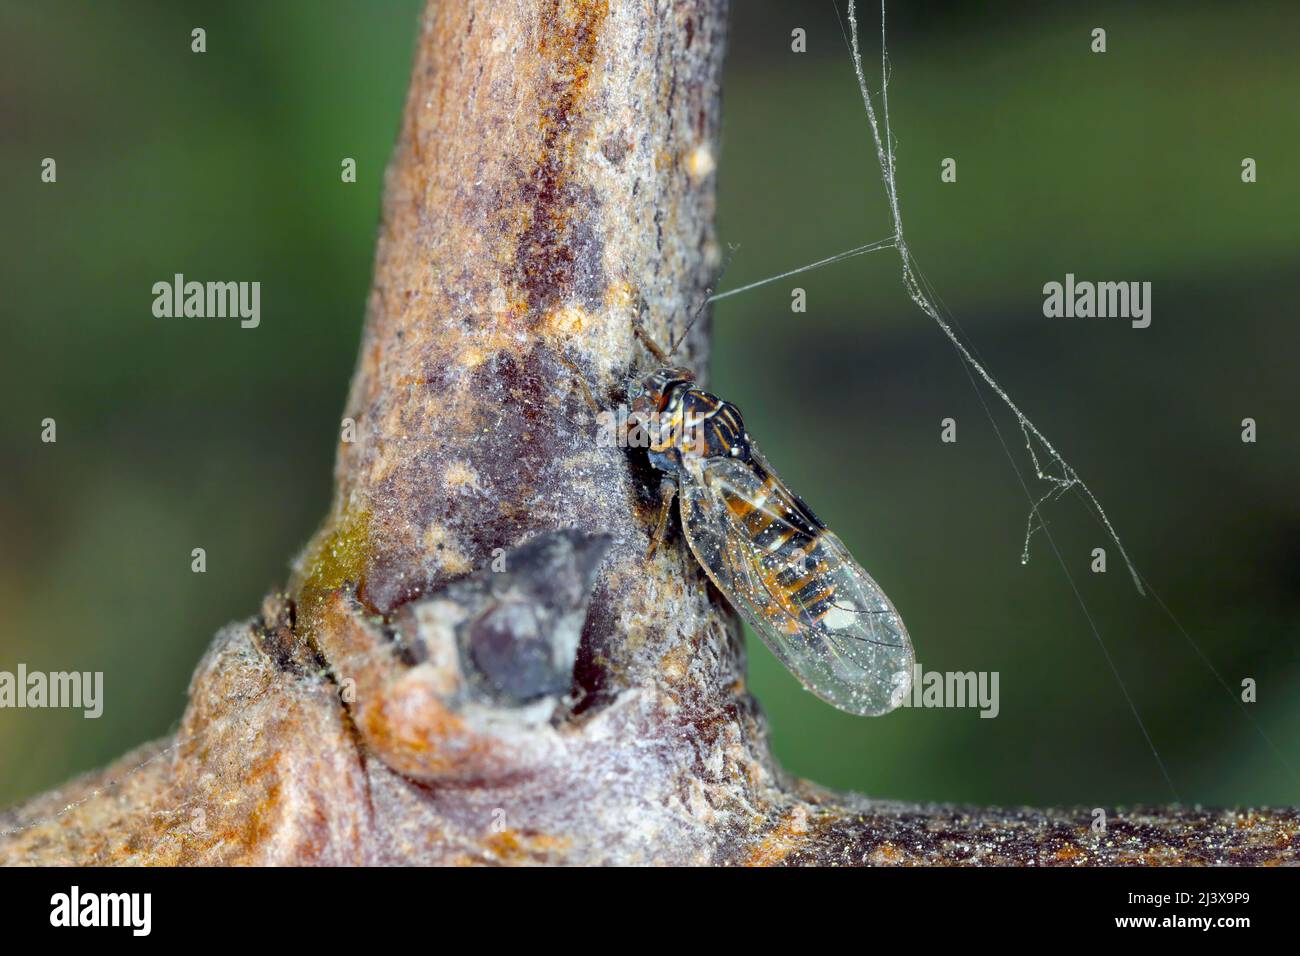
<point>788,575</point>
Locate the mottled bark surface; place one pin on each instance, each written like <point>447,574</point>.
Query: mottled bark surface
<point>452,677</point>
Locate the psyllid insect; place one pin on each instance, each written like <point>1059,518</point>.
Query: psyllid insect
<point>788,575</point>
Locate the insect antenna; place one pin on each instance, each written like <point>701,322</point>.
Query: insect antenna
<point>676,343</point>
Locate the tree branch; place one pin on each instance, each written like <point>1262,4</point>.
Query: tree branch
<point>475,661</point>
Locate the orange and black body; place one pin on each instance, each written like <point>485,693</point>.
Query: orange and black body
<point>685,420</point>
<point>789,576</point>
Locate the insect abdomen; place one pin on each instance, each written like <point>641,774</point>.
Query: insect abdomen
<point>787,534</point>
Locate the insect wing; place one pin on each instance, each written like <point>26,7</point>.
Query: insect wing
<point>797,585</point>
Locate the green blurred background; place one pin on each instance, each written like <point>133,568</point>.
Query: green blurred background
<point>1122,166</point>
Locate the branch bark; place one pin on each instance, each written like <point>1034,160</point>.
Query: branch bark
<point>474,661</point>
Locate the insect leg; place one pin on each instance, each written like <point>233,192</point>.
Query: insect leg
<point>639,331</point>
<point>582,385</point>
<point>587,396</point>
<point>649,343</point>
<point>667,492</point>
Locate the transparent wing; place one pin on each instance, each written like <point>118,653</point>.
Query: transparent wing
<point>797,585</point>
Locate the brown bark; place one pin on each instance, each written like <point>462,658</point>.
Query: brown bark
<point>565,700</point>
